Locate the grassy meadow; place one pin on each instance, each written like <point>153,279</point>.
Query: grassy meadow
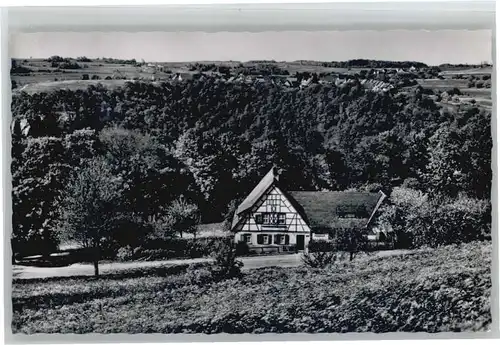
<point>446,289</point>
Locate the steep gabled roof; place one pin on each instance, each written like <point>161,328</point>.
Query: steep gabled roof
<point>267,181</point>
<point>257,192</point>
<point>324,209</point>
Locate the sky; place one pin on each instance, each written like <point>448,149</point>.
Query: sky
<point>430,47</point>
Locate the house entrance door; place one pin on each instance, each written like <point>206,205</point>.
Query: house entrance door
<point>300,242</point>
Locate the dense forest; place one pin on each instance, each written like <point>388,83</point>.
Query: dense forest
<point>209,142</point>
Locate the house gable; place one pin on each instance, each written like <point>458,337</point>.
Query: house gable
<point>272,203</point>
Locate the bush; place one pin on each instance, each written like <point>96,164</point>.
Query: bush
<point>125,253</point>
<point>20,70</point>
<point>57,58</point>
<point>319,259</point>
<point>69,65</point>
<point>351,240</point>
<point>226,265</point>
<point>242,248</point>
<point>161,249</point>
<point>83,59</point>
<point>454,91</point>
<point>196,249</point>
<point>130,231</point>
<point>199,275</point>
<point>321,246</point>
<point>154,254</point>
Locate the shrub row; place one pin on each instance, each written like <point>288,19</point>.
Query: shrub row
<point>170,249</point>
<point>177,248</point>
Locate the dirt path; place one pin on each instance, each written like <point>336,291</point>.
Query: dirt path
<point>289,260</point>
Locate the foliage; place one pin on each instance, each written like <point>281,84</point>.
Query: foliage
<point>125,253</point>
<point>57,58</point>
<point>442,290</point>
<point>418,220</point>
<point>319,259</point>
<point>89,206</point>
<point>211,141</point>
<point>66,65</point>
<point>119,61</point>
<point>184,217</point>
<point>37,185</point>
<point>170,248</point>
<point>83,59</point>
<point>151,177</point>
<point>18,69</point>
<point>226,265</point>
<point>350,240</point>
<point>242,248</point>
<point>321,246</point>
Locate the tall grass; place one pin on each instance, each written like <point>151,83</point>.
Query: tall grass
<point>445,289</point>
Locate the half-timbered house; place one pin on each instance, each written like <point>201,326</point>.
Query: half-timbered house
<point>271,216</point>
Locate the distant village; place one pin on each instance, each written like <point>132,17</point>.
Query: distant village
<point>378,80</point>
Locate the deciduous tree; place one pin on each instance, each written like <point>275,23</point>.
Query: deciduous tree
<point>89,209</point>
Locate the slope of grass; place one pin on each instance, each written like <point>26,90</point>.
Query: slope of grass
<point>70,85</point>
<point>447,289</point>
<point>443,84</point>
<point>469,71</point>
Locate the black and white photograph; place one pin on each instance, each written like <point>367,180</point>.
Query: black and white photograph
<point>251,182</point>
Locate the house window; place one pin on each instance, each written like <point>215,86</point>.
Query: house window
<point>258,218</point>
<point>352,211</point>
<point>247,238</point>
<point>281,218</point>
<point>274,218</point>
<point>273,200</point>
<point>266,218</point>
<point>281,239</point>
<point>264,239</point>
<point>273,203</point>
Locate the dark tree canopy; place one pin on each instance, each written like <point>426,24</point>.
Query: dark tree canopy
<point>212,141</point>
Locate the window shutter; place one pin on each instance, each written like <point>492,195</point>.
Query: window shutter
<point>260,239</point>
<point>276,239</point>
<point>269,239</point>
<point>287,239</point>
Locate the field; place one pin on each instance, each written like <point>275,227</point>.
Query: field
<point>69,85</point>
<point>42,72</point>
<point>445,289</point>
<point>474,71</point>
<point>443,84</point>
<point>481,96</point>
